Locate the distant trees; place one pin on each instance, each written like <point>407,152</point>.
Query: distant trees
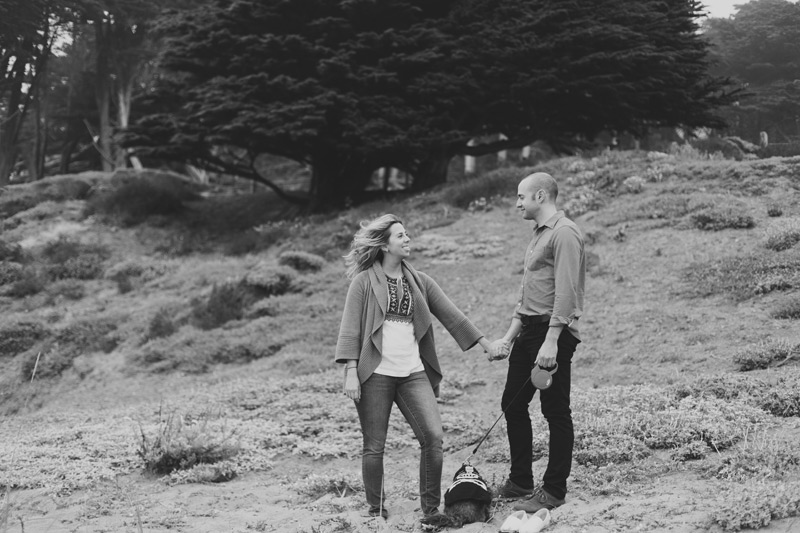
<point>760,48</point>
<point>349,87</point>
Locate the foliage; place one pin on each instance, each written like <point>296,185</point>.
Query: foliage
<point>161,325</point>
<point>10,252</point>
<point>29,282</point>
<point>69,289</point>
<point>302,261</point>
<point>180,443</point>
<point>500,183</point>
<point>335,482</point>
<point>783,234</point>
<point>716,219</point>
<point>134,201</point>
<point>743,277</point>
<point>755,505</point>
<point>265,280</point>
<point>353,87</point>
<point>787,309</point>
<point>691,451</point>
<point>10,272</point>
<point>69,259</point>
<point>759,47</point>
<point>16,338</point>
<point>224,303</point>
<point>759,458</point>
<point>764,354</point>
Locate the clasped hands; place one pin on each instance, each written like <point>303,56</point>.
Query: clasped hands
<point>499,349</point>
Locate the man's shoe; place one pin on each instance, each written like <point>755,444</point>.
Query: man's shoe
<point>512,491</point>
<point>379,511</point>
<point>540,499</point>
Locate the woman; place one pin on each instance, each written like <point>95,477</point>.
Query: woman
<point>386,344</point>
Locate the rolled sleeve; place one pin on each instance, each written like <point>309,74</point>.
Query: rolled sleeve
<point>569,270</point>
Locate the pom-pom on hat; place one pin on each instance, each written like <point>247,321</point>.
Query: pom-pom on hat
<point>467,485</point>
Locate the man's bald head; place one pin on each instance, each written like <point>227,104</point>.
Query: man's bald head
<point>537,181</point>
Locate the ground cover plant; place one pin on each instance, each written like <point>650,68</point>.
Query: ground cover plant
<point>142,415</point>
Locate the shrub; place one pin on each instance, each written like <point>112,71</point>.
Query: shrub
<point>633,184</point>
<point>161,325</point>
<point>88,266</point>
<point>582,200</point>
<point>134,201</point>
<point>63,249</point>
<point>68,289</point>
<point>226,302</point>
<point>497,183</point>
<point>10,252</point>
<point>265,280</point>
<point>10,272</point>
<point>691,451</point>
<point>604,449</point>
<point>755,505</point>
<point>745,276</point>
<point>784,234</point>
<point>29,283</point>
<point>181,443</point>
<point>50,362</point>
<point>716,219</point>
<point>789,309</point>
<point>763,355</point>
<point>757,458</point>
<point>16,338</point>
<point>774,210</point>
<point>302,261</point>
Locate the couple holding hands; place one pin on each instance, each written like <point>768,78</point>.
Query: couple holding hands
<point>387,346</point>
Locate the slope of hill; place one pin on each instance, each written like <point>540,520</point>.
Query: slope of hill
<point>195,344</point>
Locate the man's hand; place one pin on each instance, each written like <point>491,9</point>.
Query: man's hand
<point>499,349</point>
<point>546,358</point>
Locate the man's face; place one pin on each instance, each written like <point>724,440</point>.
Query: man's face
<point>528,201</point>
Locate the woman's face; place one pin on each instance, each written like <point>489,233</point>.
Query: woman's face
<point>399,241</point>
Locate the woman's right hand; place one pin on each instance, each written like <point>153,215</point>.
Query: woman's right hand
<point>352,387</point>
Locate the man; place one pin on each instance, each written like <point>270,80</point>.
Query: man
<point>544,330</point>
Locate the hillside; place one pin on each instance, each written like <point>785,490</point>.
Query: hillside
<point>179,333</point>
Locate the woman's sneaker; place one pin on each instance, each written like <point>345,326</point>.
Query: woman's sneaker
<point>512,491</point>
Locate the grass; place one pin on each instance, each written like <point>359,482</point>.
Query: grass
<point>265,366</point>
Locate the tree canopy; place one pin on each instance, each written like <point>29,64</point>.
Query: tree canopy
<point>760,48</point>
<point>351,86</point>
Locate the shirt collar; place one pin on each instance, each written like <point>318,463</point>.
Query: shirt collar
<point>551,222</point>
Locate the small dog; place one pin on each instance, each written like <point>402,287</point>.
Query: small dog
<point>467,500</point>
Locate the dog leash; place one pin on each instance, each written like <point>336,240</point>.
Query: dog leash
<point>503,412</point>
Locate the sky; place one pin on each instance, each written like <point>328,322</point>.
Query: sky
<point>721,8</point>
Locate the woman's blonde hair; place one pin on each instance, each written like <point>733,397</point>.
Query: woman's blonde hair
<point>367,242</point>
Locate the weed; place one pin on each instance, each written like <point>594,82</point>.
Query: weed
<point>788,309</point>
<point>10,272</point>
<point>745,276</point>
<point>265,280</point>
<point>756,458</point>
<point>67,289</point>
<point>16,338</point>
<point>691,451</point>
<point>338,483</point>
<point>764,354</point>
<point>302,261</point>
<point>603,449</point>
<point>784,234</point>
<point>774,210</point>
<point>11,252</point>
<point>226,302</point>
<point>30,282</point>
<point>88,266</point>
<point>161,325</point>
<point>755,505</point>
<point>716,219</point>
<point>181,443</point>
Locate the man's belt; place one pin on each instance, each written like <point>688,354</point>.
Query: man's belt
<point>529,320</point>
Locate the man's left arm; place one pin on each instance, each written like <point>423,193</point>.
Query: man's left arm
<point>567,265</point>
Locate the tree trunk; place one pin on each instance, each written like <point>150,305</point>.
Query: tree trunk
<point>103,96</point>
<point>337,182</point>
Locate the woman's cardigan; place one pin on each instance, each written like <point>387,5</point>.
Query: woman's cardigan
<point>361,334</point>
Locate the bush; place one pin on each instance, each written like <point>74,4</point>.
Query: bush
<point>265,280</point>
<point>497,183</point>
<point>755,505</point>
<point>10,252</point>
<point>16,338</point>
<point>181,443</point>
<point>68,289</point>
<point>161,325</point>
<point>10,272</point>
<point>604,449</point>
<point>337,483</point>
<point>716,219</point>
<point>789,309</point>
<point>89,266</point>
<point>133,202</point>
<point>302,261</point>
<point>691,451</point>
<point>774,210</point>
<point>29,283</point>
<point>745,276</point>
<point>758,458</point>
<point>225,303</point>
<point>784,234</point>
<point>63,249</point>
<point>763,355</point>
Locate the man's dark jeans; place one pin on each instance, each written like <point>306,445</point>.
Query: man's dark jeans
<point>555,408</point>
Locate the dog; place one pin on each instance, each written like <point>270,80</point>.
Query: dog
<point>467,500</point>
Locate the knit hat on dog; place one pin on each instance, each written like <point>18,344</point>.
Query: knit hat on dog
<point>467,485</point>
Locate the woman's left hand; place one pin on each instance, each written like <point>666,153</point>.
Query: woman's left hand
<point>352,388</point>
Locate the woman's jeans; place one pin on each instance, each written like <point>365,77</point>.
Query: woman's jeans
<point>414,396</point>
<point>555,407</point>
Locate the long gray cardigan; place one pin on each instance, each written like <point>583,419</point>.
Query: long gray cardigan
<point>361,332</point>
